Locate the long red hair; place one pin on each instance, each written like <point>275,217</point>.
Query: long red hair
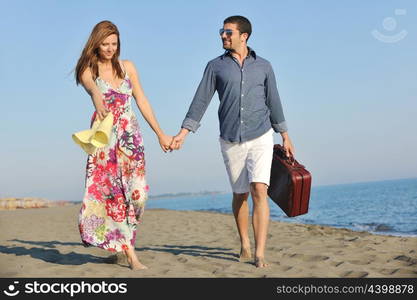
<point>89,57</point>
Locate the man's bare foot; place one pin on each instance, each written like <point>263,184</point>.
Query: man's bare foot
<point>260,262</point>
<point>245,254</point>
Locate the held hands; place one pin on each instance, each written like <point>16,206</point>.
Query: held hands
<point>170,143</point>
<point>165,141</point>
<point>179,139</point>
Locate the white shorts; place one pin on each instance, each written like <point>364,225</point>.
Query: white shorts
<point>248,162</point>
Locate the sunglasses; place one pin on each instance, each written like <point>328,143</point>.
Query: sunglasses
<point>228,32</point>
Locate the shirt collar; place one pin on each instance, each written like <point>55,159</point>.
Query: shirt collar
<point>251,52</point>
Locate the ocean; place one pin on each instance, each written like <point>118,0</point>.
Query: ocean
<point>383,207</point>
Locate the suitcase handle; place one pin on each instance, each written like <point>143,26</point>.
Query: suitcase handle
<point>289,160</point>
<point>282,152</point>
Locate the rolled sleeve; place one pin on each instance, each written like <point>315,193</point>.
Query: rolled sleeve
<point>273,102</point>
<point>190,124</point>
<point>202,98</point>
<point>281,127</point>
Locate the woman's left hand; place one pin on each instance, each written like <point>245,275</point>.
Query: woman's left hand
<point>165,141</point>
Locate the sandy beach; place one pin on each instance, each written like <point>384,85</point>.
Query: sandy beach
<point>45,242</point>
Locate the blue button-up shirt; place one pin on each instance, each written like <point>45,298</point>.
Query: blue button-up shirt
<point>249,99</point>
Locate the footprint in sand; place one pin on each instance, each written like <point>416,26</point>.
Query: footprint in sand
<point>308,258</point>
<point>220,269</point>
<point>407,259</point>
<point>354,274</point>
<point>277,249</point>
<point>182,259</point>
<point>405,273</point>
<point>336,263</point>
<point>360,262</point>
<point>285,268</point>
<point>388,271</point>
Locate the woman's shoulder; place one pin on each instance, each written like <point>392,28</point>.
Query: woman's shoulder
<point>86,75</point>
<point>129,66</point>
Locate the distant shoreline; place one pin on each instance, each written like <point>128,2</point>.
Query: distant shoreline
<point>176,195</point>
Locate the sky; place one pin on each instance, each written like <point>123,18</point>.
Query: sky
<point>346,73</point>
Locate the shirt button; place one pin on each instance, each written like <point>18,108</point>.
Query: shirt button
<point>242,108</point>
<point>242,95</point>
<point>243,82</point>
<point>241,122</point>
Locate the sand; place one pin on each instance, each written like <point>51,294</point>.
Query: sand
<point>45,242</point>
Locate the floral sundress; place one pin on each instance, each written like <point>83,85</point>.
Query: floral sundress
<point>115,185</point>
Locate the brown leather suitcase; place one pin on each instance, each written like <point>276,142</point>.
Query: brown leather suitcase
<point>290,184</point>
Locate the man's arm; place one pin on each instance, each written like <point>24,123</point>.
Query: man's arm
<point>198,107</point>
<point>277,118</point>
<point>273,102</point>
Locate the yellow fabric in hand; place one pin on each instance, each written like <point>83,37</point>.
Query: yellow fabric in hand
<point>96,137</point>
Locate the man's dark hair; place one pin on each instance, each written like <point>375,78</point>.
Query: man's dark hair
<point>243,24</point>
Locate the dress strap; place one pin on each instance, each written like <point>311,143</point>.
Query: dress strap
<point>123,67</point>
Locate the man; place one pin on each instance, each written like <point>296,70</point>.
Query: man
<point>250,110</point>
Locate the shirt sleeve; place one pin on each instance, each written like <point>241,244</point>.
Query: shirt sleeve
<point>273,102</point>
<point>202,98</point>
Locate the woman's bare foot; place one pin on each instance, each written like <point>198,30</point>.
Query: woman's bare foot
<point>245,254</point>
<point>135,264</point>
<point>260,262</point>
<point>133,260</point>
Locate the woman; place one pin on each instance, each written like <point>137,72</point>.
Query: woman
<point>116,188</point>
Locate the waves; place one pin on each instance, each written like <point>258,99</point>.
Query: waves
<point>386,207</point>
